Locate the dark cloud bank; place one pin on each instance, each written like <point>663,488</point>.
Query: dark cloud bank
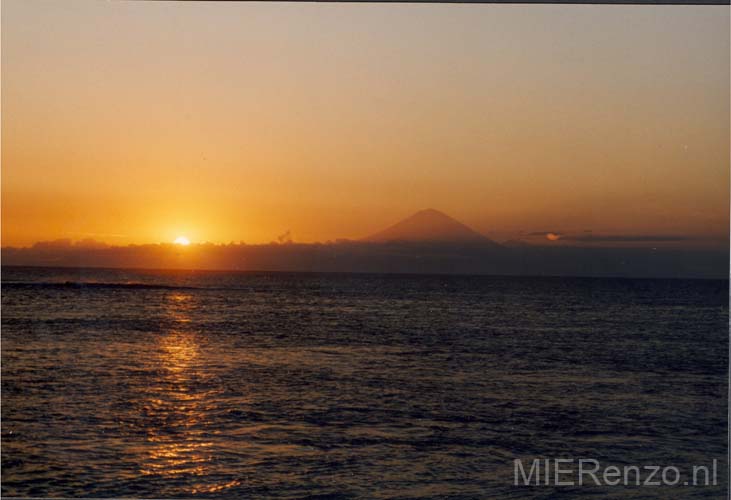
<point>588,237</point>
<point>386,257</point>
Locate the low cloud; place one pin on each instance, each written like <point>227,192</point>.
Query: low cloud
<point>588,237</point>
<point>67,243</point>
<point>543,233</point>
<point>549,235</point>
<point>395,257</point>
<point>628,238</point>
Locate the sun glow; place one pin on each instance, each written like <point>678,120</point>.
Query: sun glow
<point>182,240</point>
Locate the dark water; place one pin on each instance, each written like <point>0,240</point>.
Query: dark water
<point>178,384</point>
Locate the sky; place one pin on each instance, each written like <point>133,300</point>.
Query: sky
<point>138,122</point>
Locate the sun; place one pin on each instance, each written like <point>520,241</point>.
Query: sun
<point>182,240</point>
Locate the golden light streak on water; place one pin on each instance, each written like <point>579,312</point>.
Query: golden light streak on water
<point>179,446</point>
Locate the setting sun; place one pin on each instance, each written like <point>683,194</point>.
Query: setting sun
<point>182,240</point>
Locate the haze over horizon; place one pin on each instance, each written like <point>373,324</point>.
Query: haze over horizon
<point>133,123</point>
<point>433,226</point>
<point>427,242</point>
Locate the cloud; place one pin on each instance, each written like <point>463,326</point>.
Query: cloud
<point>543,233</point>
<point>54,244</point>
<point>549,235</point>
<point>67,244</point>
<point>628,238</point>
<point>587,237</point>
<point>405,257</point>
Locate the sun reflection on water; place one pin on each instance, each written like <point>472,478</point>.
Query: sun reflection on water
<point>179,437</point>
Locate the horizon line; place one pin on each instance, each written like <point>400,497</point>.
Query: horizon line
<point>364,273</point>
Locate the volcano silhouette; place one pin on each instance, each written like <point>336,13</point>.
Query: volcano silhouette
<point>430,226</point>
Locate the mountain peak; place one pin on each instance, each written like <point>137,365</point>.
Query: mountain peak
<point>429,225</point>
<point>431,211</point>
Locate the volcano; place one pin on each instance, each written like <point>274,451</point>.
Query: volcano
<point>430,226</point>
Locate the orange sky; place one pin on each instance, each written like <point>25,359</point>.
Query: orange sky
<point>133,122</point>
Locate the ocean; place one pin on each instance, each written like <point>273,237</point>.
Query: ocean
<point>177,384</point>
